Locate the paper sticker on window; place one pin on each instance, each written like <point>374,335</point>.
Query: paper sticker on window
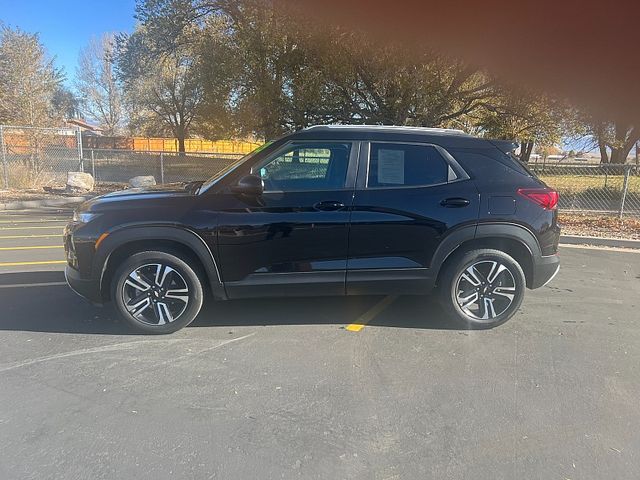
<point>391,167</point>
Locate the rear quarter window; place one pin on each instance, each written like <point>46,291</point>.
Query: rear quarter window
<point>489,161</point>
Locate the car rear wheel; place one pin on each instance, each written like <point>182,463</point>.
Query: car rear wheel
<point>157,292</point>
<point>482,288</point>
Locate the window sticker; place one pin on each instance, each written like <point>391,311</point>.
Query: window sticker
<point>391,167</point>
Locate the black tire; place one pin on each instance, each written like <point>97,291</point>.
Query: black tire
<point>494,307</point>
<point>166,303</point>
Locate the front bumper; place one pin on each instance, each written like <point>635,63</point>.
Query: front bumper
<point>544,270</point>
<point>87,288</point>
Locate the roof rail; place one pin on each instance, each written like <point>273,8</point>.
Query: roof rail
<point>444,131</point>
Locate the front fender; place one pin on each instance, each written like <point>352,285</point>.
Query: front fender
<point>177,234</point>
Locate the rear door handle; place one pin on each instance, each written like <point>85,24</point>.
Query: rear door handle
<point>329,205</point>
<point>455,202</point>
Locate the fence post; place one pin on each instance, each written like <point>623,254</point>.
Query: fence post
<point>79,141</point>
<point>93,165</point>
<point>161,167</point>
<point>4,158</point>
<point>625,189</point>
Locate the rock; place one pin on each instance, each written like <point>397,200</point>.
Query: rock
<point>142,181</point>
<point>79,182</point>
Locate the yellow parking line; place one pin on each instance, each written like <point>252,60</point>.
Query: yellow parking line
<point>20,264</point>
<point>26,285</point>
<point>38,247</point>
<point>16,237</point>
<point>57,227</point>
<point>40,220</point>
<point>370,314</point>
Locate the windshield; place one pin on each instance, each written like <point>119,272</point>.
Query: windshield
<point>225,171</point>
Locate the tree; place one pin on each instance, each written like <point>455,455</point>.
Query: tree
<point>65,104</point>
<point>245,58</point>
<point>163,86</point>
<point>385,84</point>
<point>615,138</point>
<point>28,79</point>
<point>282,72</point>
<point>97,86</point>
<point>268,96</point>
<point>526,117</point>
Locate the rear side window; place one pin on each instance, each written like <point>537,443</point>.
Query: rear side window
<point>402,165</point>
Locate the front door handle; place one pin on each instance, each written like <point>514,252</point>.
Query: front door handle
<point>455,202</point>
<point>329,205</point>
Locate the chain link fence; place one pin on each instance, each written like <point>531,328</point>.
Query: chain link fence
<point>38,157</point>
<point>607,189</point>
<point>118,166</point>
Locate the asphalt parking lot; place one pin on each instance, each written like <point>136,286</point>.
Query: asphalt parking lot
<point>331,388</point>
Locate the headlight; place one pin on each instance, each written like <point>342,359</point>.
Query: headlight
<point>84,217</point>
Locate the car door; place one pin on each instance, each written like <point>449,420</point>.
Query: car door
<point>291,239</point>
<point>408,197</point>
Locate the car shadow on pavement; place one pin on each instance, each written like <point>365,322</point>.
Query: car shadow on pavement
<point>38,301</point>
<point>404,312</point>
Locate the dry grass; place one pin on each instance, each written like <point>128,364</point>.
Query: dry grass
<point>24,177</point>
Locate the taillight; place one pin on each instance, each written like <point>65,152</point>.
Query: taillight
<point>545,197</point>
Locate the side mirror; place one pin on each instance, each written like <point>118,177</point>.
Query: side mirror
<point>249,185</point>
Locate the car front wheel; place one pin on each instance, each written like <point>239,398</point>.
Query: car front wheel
<point>157,292</point>
<point>482,288</point>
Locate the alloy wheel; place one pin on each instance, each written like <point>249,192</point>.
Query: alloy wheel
<point>155,294</point>
<point>485,290</point>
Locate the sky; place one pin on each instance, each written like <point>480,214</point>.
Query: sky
<point>65,27</point>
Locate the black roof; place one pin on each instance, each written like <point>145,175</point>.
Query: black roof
<point>438,136</point>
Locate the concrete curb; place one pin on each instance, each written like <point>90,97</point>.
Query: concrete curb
<point>599,242</point>
<point>52,202</point>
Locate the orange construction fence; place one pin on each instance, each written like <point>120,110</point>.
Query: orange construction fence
<point>150,144</point>
<point>194,145</point>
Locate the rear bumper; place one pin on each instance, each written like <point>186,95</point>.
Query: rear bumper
<point>544,270</point>
<point>87,288</point>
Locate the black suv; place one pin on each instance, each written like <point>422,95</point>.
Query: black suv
<point>329,210</point>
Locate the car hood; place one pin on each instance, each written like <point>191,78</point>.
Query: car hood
<point>158,190</point>
<point>148,196</point>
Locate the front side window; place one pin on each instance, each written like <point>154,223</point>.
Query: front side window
<point>304,167</point>
<point>402,165</point>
